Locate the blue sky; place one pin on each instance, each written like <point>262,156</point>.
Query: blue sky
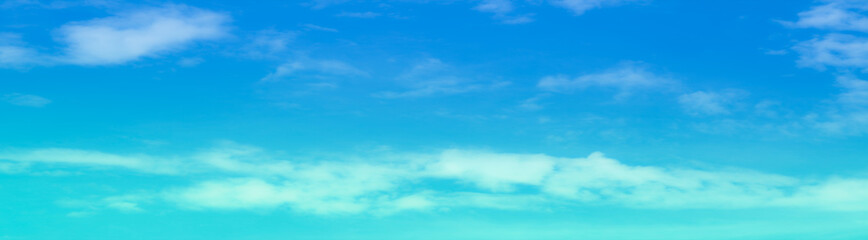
<point>492,119</point>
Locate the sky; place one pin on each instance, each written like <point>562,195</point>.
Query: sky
<point>415,119</point>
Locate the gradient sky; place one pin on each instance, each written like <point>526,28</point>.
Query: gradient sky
<point>413,119</point>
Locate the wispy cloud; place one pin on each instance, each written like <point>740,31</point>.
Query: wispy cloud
<point>837,48</point>
<point>359,14</point>
<point>318,28</point>
<point>26,100</point>
<point>579,7</point>
<point>848,115</point>
<point>314,69</point>
<point>626,79</point>
<point>503,11</point>
<point>839,15</point>
<point>15,53</point>
<point>268,43</point>
<point>710,103</point>
<point>432,77</point>
<point>834,50</point>
<point>74,157</point>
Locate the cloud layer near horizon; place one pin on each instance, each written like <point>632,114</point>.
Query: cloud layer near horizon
<point>245,177</point>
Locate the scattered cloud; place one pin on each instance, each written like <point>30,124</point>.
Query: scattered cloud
<point>838,15</point>
<point>268,43</point>
<point>834,50</point>
<point>132,35</point>
<point>14,53</point>
<point>434,77</point>
<point>710,103</point>
<point>304,68</point>
<point>244,177</point>
<point>855,91</point>
<point>579,7</point>
<point>359,14</point>
<point>318,28</point>
<point>25,100</point>
<point>626,79</point>
<point>503,11</point>
<point>532,104</point>
<point>776,52</point>
<point>848,115</point>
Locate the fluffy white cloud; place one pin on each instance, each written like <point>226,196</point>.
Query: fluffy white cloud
<point>133,35</point>
<point>26,100</point>
<point>626,78</point>
<point>710,103</point>
<point>247,178</point>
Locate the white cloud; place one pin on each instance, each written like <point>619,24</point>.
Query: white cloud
<point>579,7</point>
<point>835,50</point>
<point>134,35</point>
<point>834,15</point>
<point>710,103</point>
<point>845,194</point>
<point>26,100</point>
<point>627,79</point>
<point>496,172</point>
<point>248,178</point>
